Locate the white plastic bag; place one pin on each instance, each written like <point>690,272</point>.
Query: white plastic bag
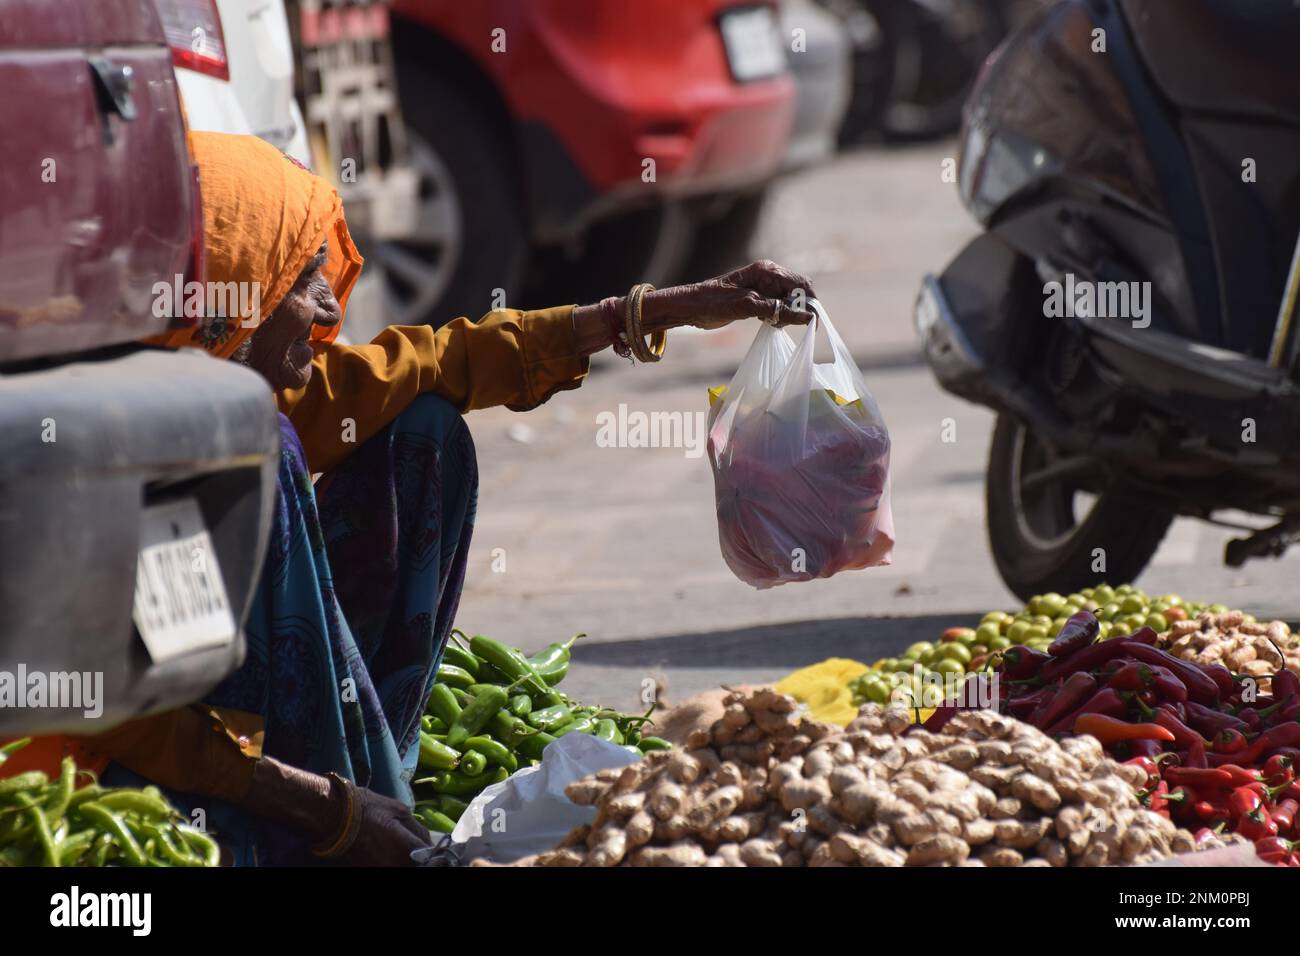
<point>800,458</point>
<point>528,812</point>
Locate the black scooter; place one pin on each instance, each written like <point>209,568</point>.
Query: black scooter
<point>1129,311</point>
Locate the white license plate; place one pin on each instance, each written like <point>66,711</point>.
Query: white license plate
<point>753,43</point>
<point>180,598</point>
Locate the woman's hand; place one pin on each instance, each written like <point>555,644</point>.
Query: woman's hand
<point>388,832</point>
<point>759,290</point>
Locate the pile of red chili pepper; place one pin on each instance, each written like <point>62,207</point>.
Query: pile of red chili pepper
<point>1219,757</point>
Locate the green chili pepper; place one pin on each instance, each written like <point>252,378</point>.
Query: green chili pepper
<point>107,820</point>
<point>509,729</point>
<point>473,763</point>
<point>136,801</point>
<point>176,855</point>
<point>552,662</point>
<point>460,696</point>
<point>11,748</point>
<point>45,839</point>
<point>451,654</point>
<point>548,718</point>
<point>497,754</point>
<point>476,715</point>
<point>521,705</point>
<point>454,676</point>
<point>75,845</point>
<point>476,689</point>
<point>510,662</point>
<point>31,780</point>
<point>533,745</point>
<point>606,729</point>
<point>203,845</point>
<point>647,744</point>
<point>436,822</point>
<point>63,792</point>
<point>442,704</point>
<point>452,806</point>
<point>487,674</point>
<point>435,755</point>
<point>456,784</point>
<point>584,724</point>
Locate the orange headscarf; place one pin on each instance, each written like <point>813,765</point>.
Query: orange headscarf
<point>264,217</point>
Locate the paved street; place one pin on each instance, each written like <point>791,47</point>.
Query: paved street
<point>622,542</point>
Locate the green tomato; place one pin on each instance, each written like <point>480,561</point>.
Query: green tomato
<point>954,652</point>
<point>999,643</point>
<point>928,657</point>
<point>950,666</point>
<point>1217,608</point>
<point>1109,612</point>
<point>1016,632</point>
<point>1070,610</point>
<point>886,664</point>
<point>986,631</point>
<point>1041,645</point>
<point>966,638</point>
<point>917,649</point>
<point>1051,604</point>
<point>1036,633</point>
<point>1059,623</point>
<point>1103,630</point>
<point>1042,620</point>
<point>1157,623</point>
<point>997,617</point>
<point>1132,605</point>
<point>1091,606</point>
<point>1103,594</point>
<point>1078,597</point>
<point>878,693</point>
<point>1124,589</point>
<point>1173,600</point>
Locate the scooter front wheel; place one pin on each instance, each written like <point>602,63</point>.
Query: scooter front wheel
<point>1047,532</point>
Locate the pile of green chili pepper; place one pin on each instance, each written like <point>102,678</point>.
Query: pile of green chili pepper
<point>47,822</point>
<point>492,711</point>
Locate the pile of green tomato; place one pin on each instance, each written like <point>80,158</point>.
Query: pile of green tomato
<point>962,650</point>
<point>494,710</point>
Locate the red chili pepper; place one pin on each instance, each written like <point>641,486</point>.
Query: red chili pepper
<point>1283,735</point>
<point>1167,684</point>
<point>1021,663</point>
<point>1200,687</point>
<point>1183,735</point>
<point>1203,778</point>
<point>1243,800</point>
<point>1156,797</point>
<point>1106,702</point>
<point>1150,749</point>
<point>1278,769</point>
<point>1256,825</point>
<point>1078,632</point>
<point>1290,712</point>
<point>1204,835</point>
<point>1131,676</point>
<point>1144,635</point>
<point>1022,707</point>
<point>1109,729</point>
<point>1284,814</point>
<point>1273,849</point>
<point>1222,678</point>
<point>1208,810</point>
<point>1196,754</point>
<point>1089,659</point>
<point>1077,688</point>
<point>1208,721</point>
<point>1229,741</point>
<point>1286,684</point>
<point>1241,776</point>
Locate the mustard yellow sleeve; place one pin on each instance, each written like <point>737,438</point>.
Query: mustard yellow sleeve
<point>196,749</point>
<point>513,358</point>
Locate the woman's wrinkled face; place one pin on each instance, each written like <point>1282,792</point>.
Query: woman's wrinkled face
<point>281,348</point>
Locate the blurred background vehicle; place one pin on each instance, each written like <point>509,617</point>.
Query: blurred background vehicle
<point>562,170</point>
<point>1116,174</point>
<point>118,458</point>
<point>914,61</point>
<point>235,69</point>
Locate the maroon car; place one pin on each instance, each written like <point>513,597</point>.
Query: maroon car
<point>135,482</point>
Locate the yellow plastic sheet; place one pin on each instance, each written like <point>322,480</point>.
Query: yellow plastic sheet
<point>824,687</point>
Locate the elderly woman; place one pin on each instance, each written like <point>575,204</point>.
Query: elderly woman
<point>310,746</point>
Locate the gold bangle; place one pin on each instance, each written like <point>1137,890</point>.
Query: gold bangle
<point>635,332</point>
<point>351,823</point>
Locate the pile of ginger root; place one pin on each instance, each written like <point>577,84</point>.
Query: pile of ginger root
<point>761,787</point>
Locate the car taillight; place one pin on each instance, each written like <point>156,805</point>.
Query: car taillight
<point>193,29</point>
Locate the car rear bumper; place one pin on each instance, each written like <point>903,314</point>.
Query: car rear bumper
<point>90,445</point>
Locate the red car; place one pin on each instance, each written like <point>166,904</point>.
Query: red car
<point>586,139</point>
